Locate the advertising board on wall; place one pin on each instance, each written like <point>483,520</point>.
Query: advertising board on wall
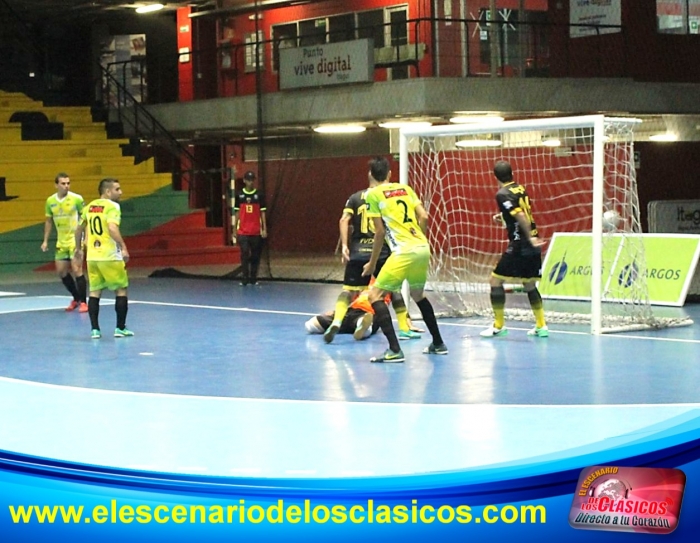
<point>327,64</point>
<point>594,12</point>
<point>667,263</point>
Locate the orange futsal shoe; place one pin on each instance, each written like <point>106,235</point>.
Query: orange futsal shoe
<point>72,305</point>
<point>82,308</point>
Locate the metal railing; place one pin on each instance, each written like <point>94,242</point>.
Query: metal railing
<point>429,47</point>
<point>150,138</point>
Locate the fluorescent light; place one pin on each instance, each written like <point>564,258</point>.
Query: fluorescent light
<point>551,142</point>
<point>667,136</point>
<point>149,8</point>
<point>339,129</point>
<point>463,119</point>
<point>479,143</point>
<point>406,124</point>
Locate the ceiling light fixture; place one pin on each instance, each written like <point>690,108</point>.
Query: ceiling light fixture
<point>551,142</point>
<point>150,8</point>
<point>339,129</point>
<point>464,119</point>
<point>480,142</point>
<point>666,136</point>
<point>406,124</point>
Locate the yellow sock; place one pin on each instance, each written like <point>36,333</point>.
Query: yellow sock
<point>402,317</point>
<point>499,314</point>
<point>537,307</point>
<point>341,307</point>
<point>498,303</point>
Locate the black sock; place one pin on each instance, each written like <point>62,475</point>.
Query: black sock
<point>94,312</point>
<point>121,306</point>
<point>426,309</point>
<point>69,283</point>
<point>82,287</point>
<point>383,318</point>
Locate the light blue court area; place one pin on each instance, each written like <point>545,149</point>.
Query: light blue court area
<point>302,439</point>
<point>222,380</point>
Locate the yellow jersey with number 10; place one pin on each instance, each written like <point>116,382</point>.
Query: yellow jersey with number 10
<point>396,205</point>
<point>96,216</point>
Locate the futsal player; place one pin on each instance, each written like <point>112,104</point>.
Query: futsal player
<point>106,255</point>
<point>357,241</point>
<point>522,260</point>
<point>63,209</point>
<point>249,212</point>
<point>399,216</point>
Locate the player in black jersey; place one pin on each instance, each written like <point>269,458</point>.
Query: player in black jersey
<point>522,260</point>
<point>357,241</point>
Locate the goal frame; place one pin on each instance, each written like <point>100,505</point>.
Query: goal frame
<point>594,122</point>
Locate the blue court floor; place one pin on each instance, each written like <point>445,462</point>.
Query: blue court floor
<point>223,380</point>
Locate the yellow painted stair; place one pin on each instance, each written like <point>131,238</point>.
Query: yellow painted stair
<point>85,153</point>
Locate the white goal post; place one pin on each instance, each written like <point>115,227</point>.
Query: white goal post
<point>575,170</point>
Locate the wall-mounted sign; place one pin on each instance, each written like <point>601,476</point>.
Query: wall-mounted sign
<point>327,64</point>
<point>594,13</point>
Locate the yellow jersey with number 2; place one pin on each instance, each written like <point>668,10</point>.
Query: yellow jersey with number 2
<point>396,205</point>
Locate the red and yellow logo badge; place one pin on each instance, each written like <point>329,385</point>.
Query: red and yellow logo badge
<point>623,499</point>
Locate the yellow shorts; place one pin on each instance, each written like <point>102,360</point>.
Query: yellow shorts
<point>412,267</point>
<point>110,274</point>
<point>64,252</point>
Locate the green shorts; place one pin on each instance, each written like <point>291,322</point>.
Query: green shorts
<point>65,252</point>
<point>110,274</point>
<point>412,267</point>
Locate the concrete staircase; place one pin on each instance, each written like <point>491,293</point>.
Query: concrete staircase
<point>160,228</point>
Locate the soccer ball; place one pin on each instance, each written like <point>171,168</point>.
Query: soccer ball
<point>611,220</point>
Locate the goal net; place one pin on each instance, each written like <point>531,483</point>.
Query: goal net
<point>580,177</point>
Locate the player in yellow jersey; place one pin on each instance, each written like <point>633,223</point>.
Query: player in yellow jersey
<point>63,210</point>
<point>106,255</point>
<point>399,216</point>
<point>357,239</point>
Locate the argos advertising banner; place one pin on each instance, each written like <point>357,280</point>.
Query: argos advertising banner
<point>327,64</point>
<point>667,262</point>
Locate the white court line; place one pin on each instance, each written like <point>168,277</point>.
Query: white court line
<point>331,403</point>
<point>442,322</point>
<point>220,308</point>
<point>49,308</point>
<point>104,301</point>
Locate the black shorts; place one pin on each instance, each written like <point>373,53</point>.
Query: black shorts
<point>523,266</point>
<point>349,322</point>
<point>353,273</point>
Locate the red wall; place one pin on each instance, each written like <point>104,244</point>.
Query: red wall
<point>306,197</point>
<point>185,70</point>
<point>667,172</point>
<point>305,200</point>
<point>462,202</point>
<point>241,25</point>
